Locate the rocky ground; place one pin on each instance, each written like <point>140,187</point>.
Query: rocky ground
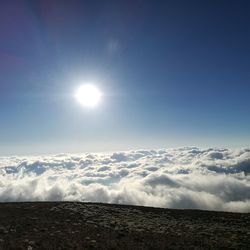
<point>72,225</point>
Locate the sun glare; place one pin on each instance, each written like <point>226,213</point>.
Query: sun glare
<point>88,95</point>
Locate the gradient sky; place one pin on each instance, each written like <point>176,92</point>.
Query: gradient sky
<point>173,73</point>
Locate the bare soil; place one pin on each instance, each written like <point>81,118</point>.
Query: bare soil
<point>75,225</point>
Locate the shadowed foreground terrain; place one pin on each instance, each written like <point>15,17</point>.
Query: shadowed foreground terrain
<point>73,225</point>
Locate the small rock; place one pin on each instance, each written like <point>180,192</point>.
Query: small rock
<point>93,243</point>
<point>33,218</point>
<point>90,221</point>
<point>32,242</point>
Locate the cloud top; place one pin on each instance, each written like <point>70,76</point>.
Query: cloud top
<point>213,179</point>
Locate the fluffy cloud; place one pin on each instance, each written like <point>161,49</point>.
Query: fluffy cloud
<point>213,179</point>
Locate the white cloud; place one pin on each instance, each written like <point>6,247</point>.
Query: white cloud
<point>214,179</point>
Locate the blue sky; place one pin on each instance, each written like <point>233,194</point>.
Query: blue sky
<point>173,73</point>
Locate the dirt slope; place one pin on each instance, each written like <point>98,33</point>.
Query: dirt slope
<point>72,225</point>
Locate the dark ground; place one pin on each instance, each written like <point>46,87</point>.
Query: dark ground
<point>72,225</point>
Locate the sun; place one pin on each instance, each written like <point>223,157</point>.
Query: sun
<point>88,95</point>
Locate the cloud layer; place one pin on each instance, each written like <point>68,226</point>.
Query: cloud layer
<point>213,179</point>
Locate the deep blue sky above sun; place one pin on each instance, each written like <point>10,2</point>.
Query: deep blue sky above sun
<point>173,73</point>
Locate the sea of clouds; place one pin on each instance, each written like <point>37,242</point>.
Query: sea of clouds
<point>212,179</point>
